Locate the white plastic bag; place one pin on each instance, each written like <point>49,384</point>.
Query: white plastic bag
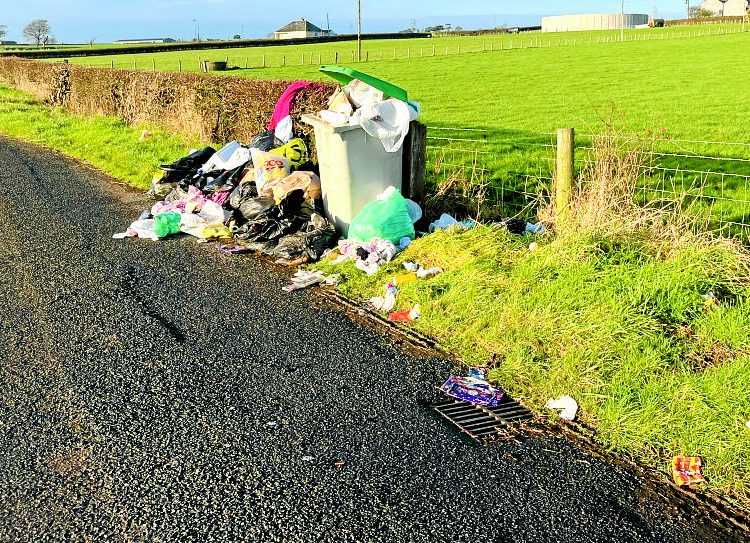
<point>229,157</point>
<point>361,94</point>
<point>388,121</point>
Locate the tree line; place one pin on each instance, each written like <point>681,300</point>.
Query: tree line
<point>37,31</point>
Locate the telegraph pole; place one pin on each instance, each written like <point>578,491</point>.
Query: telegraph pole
<point>359,30</point>
<point>622,22</point>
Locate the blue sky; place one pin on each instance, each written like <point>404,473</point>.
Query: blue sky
<point>77,21</point>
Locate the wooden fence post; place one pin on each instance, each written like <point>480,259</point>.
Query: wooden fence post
<point>564,175</point>
<point>414,162</point>
<point>134,65</point>
<point>179,66</point>
<point>153,64</point>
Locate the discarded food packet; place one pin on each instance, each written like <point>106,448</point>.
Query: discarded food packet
<point>473,391</point>
<point>235,249</point>
<point>686,470</point>
<point>478,373</point>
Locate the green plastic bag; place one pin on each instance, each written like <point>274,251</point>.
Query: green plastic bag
<point>166,224</point>
<point>383,219</point>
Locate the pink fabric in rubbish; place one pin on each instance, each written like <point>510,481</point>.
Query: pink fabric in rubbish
<point>191,202</point>
<point>220,197</point>
<point>286,100</point>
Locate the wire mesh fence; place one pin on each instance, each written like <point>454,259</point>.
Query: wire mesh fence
<point>512,170</point>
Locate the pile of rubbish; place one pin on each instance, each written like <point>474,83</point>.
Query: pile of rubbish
<point>267,195</point>
<point>264,196</point>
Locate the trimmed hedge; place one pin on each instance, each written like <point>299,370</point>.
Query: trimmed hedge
<point>212,108</point>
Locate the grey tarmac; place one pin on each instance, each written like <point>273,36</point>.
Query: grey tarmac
<point>167,392</point>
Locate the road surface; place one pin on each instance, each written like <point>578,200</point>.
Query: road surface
<point>167,392</point>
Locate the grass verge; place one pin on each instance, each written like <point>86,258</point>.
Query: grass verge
<point>609,311</point>
<point>106,142</point>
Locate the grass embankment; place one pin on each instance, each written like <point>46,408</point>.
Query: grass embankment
<point>610,312</point>
<point>105,142</point>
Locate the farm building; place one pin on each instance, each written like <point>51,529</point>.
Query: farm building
<point>732,8</point>
<point>599,21</point>
<point>299,29</point>
<point>146,40</point>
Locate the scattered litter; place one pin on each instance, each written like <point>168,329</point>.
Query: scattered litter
<point>409,315</point>
<point>145,135</point>
<point>387,302</point>
<point>339,463</point>
<point>422,273</point>
<point>686,470</point>
<point>306,278</point>
<point>568,405</point>
<point>370,256</point>
<point>446,221</point>
<point>710,301</point>
<point>476,372</point>
<point>308,458</point>
<point>271,423</point>
<point>235,249</point>
<point>473,388</point>
<point>747,424</point>
<point>533,246</point>
<point>537,228</point>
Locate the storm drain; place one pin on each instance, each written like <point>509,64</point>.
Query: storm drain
<point>482,422</point>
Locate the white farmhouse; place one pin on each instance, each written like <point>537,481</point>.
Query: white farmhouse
<point>732,8</point>
<point>299,29</point>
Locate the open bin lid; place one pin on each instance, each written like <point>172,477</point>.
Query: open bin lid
<point>346,75</point>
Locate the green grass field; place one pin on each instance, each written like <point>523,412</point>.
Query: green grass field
<point>678,83</point>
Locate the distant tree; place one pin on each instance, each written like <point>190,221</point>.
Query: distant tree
<point>236,37</point>
<point>700,13</point>
<point>38,31</point>
<point>3,31</point>
<point>92,41</point>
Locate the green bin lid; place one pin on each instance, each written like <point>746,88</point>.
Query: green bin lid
<point>345,76</point>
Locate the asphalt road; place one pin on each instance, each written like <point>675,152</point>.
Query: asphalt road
<point>166,392</point>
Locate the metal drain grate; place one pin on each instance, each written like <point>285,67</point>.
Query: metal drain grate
<point>482,422</point>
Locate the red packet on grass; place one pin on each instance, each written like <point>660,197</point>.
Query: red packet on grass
<point>686,470</point>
